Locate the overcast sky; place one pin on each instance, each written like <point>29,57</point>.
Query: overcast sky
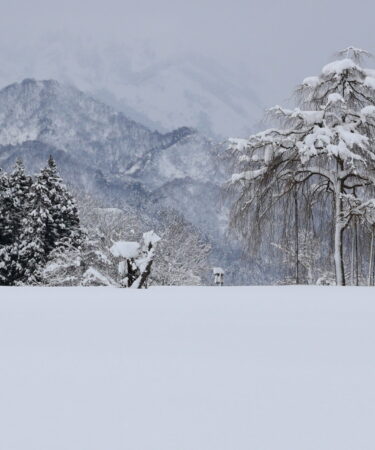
<point>287,40</point>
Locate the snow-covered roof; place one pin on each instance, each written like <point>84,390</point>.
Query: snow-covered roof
<point>125,249</point>
<point>218,271</point>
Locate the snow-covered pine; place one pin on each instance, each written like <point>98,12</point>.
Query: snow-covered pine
<point>14,205</point>
<point>14,188</point>
<point>328,141</point>
<point>50,220</point>
<point>5,220</point>
<point>63,226</point>
<point>35,237</point>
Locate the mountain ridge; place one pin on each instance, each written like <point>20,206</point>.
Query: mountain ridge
<point>100,150</point>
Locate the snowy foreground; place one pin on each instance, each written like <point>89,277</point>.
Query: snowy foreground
<point>187,369</point>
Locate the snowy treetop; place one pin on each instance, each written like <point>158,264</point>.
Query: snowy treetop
<point>338,121</point>
<point>354,53</point>
<point>339,66</point>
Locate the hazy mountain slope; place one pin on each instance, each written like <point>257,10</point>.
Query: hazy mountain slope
<point>68,119</point>
<point>105,153</point>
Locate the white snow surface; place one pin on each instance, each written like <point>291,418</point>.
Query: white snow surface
<point>284,368</point>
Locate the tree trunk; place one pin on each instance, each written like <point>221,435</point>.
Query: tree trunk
<point>296,230</point>
<point>371,262</point>
<point>339,231</point>
<point>356,252</point>
<point>354,259</point>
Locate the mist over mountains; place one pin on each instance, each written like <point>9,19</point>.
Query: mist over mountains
<point>160,90</point>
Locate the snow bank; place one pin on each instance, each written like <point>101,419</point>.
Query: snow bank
<point>187,368</point>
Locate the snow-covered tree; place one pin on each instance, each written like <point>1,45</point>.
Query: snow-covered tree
<point>125,264</point>
<point>326,142</point>
<point>38,216</point>
<point>135,260</point>
<point>182,254</point>
<point>89,265</point>
<point>62,223</point>
<point>14,191</point>
<point>308,257</point>
<point>52,222</point>
<point>5,220</point>
<point>182,257</point>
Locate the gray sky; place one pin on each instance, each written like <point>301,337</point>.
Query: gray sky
<point>284,40</point>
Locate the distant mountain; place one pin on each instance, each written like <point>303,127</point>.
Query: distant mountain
<point>103,152</point>
<point>159,91</point>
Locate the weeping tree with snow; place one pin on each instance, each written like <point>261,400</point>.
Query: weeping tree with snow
<point>325,144</point>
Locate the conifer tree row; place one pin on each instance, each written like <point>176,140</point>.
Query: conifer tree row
<point>37,215</point>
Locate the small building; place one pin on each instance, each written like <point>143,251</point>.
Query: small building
<point>218,276</point>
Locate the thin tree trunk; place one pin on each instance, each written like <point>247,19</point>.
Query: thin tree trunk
<point>339,231</point>
<point>354,270</point>
<point>296,229</point>
<point>356,252</point>
<point>352,256</point>
<point>371,261</point>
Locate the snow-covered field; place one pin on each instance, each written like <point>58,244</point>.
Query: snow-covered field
<point>187,369</point>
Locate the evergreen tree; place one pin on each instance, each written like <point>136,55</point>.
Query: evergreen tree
<point>32,246</point>
<point>62,227</point>
<point>14,189</point>
<point>4,225</point>
<point>52,221</point>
